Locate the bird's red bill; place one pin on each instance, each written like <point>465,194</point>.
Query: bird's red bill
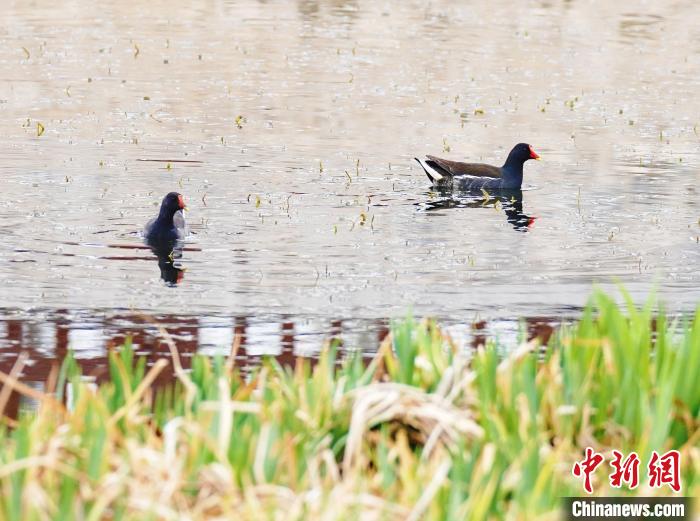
<point>533,154</point>
<point>182,201</point>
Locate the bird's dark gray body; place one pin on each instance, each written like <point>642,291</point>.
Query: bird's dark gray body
<point>174,228</point>
<point>170,224</point>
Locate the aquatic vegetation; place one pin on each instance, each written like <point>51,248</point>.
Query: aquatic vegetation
<point>423,430</point>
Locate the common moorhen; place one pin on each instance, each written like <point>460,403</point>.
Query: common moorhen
<point>170,225</point>
<point>474,176</point>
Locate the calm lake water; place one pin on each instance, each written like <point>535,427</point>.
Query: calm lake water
<point>299,122</point>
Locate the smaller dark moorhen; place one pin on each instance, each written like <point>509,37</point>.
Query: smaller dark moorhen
<point>447,174</point>
<point>170,225</point>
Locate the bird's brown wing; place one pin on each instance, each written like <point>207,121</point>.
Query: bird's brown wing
<point>455,168</point>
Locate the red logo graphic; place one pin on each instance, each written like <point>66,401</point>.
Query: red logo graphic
<point>587,467</point>
<point>625,471</point>
<point>663,470</point>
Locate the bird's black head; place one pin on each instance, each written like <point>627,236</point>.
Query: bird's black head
<point>522,152</point>
<point>171,204</point>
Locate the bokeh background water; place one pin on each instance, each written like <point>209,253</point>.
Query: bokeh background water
<point>301,119</point>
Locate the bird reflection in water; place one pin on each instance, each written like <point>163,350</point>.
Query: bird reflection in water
<point>169,254</point>
<point>510,201</point>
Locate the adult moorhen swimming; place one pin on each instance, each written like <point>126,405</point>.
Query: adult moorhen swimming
<point>169,226</point>
<point>475,176</point>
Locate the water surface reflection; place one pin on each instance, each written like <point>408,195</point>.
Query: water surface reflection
<point>46,337</point>
<point>510,202</point>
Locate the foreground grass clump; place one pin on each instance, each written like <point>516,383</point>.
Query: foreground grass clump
<point>422,432</point>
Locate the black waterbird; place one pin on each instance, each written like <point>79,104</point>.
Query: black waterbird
<point>454,175</point>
